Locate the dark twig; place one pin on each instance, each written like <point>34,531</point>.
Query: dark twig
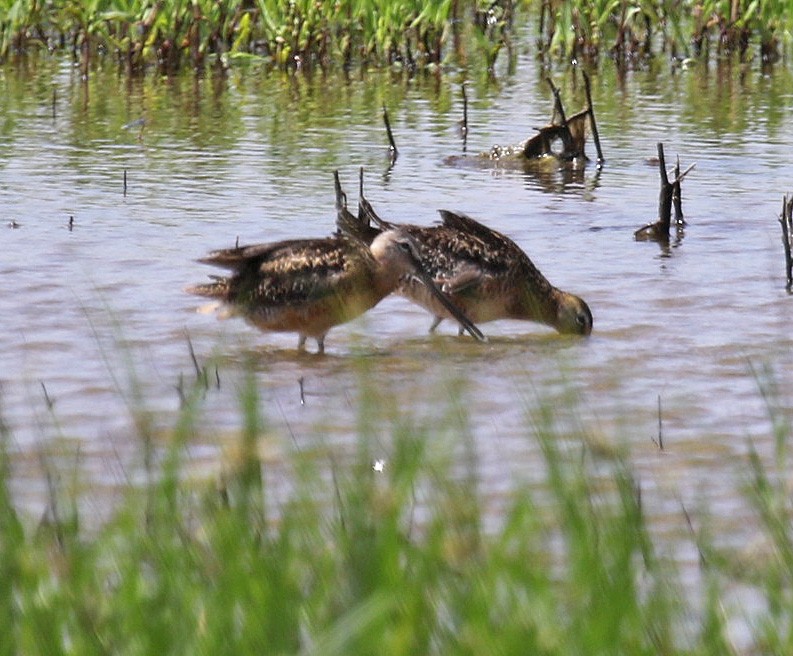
<point>659,231</point>
<point>341,197</point>
<point>465,110</point>
<point>52,515</point>
<point>786,219</point>
<point>660,441</point>
<point>665,197</point>
<point>392,149</point>
<point>71,222</point>
<point>180,390</point>
<point>125,183</point>
<point>288,425</point>
<point>559,117</point>
<point>464,122</point>
<point>200,372</point>
<point>193,356</point>
<point>50,402</point>
<point>592,123</point>
<point>677,198</point>
<point>702,561</point>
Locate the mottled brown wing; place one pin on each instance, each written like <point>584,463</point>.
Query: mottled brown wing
<point>301,271</point>
<point>233,258</point>
<point>466,276</point>
<point>454,259</point>
<point>466,224</point>
<point>494,252</point>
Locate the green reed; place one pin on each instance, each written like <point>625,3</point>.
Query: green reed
<point>360,561</point>
<point>627,30</point>
<point>171,34</point>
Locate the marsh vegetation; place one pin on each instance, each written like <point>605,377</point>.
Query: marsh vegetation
<point>169,35</point>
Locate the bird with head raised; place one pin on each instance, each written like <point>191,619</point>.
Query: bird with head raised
<point>308,286</point>
<point>483,272</point>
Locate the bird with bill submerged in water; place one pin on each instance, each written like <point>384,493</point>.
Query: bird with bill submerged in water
<point>483,272</point>
<point>308,286</point>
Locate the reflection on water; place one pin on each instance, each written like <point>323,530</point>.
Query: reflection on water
<point>96,316</point>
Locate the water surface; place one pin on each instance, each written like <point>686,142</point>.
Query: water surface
<point>96,316</point>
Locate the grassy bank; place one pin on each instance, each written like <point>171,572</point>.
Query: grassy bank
<point>355,560</point>
<point>168,35</point>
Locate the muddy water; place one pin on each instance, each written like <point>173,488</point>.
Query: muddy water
<point>95,320</point>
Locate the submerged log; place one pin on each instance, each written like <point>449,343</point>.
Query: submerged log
<point>659,231</point>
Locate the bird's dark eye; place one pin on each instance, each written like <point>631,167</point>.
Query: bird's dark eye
<point>405,247</point>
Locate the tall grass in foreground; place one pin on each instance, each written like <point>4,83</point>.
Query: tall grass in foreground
<point>360,561</point>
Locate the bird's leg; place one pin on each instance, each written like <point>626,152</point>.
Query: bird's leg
<point>301,343</point>
<point>436,322</point>
<point>321,345</point>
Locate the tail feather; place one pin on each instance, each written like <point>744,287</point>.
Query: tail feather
<point>228,258</point>
<point>218,289</point>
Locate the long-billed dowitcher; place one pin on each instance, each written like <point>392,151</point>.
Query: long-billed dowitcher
<point>308,286</point>
<point>484,273</point>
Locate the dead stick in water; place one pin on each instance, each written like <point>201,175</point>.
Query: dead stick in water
<point>789,261</point>
<point>180,390</point>
<point>199,373</point>
<point>665,197</point>
<point>677,199</point>
<point>50,401</point>
<point>465,109</point>
<point>660,426</point>
<point>464,126</point>
<point>790,237</point>
<point>785,220</point>
<point>668,189</point>
<point>558,108</point>
<point>694,535</point>
<point>659,231</point>
<point>392,148</point>
<point>592,123</point>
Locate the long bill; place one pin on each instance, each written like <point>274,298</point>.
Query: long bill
<point>456,312</point>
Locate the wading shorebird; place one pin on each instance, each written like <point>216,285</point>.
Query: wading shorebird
<point>484,273</point>
<point>308,286</point>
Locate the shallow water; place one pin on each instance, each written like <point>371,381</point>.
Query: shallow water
<point>95,318</point>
